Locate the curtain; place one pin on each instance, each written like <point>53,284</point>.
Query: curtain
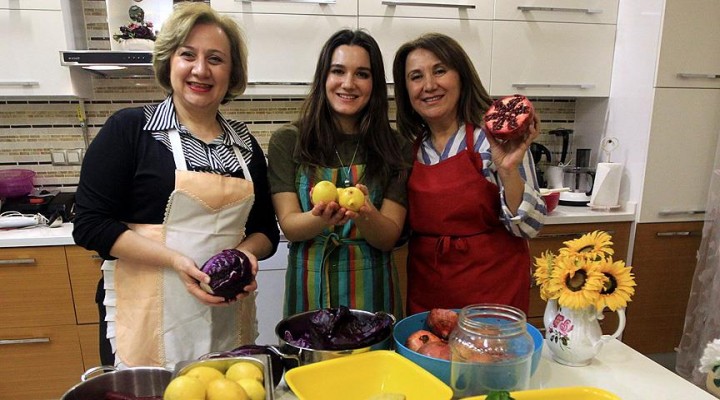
<point>702,318</point>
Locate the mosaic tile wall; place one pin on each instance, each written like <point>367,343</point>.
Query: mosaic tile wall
<point>30,128</point>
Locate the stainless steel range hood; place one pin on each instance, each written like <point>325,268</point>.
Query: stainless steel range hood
<point>110,64</point>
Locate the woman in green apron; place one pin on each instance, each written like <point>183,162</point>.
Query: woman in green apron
<point>343,135</point>
<point>166,186</point>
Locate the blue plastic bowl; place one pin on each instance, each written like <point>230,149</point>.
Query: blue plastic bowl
<point>441,368</point>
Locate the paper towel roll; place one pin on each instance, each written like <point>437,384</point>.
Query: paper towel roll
<point>606,188</point>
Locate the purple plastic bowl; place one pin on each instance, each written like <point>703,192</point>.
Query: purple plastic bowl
<point>16,182</point>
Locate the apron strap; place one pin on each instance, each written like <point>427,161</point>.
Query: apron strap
<point>179,156</point>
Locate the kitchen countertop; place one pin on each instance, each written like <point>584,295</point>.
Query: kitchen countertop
<point>617,368</point>
<point>44,236</point>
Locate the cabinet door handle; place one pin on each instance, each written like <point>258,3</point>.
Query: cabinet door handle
<point>561,9</point>
<point>665,213</point>
<point>554,85</point>
<point>567,235</point>
<point>678,233</point>
<point>26,84</point>
<point>259,83</point>
<point>418,4</point>
<point>24,341</point>
<point>290,1</point>
<point>687,75</point>
<point>18,261</point>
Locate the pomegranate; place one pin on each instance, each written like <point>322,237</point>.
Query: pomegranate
<point>442,321</point>
<point>509,117</point>
<point>439,350</point>
<point>418,338</point>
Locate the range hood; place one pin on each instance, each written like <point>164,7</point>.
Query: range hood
<point>110,63</point>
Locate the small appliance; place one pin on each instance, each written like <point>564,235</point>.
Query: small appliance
<point>48,205</point>
<point>579,179</point>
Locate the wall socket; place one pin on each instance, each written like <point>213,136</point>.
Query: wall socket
<point>66,156</point>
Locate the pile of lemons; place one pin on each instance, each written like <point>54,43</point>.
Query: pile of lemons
<point>242,381</point>
<point>350,198</point>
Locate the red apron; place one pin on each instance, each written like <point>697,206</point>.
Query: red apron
<point>459,252</point>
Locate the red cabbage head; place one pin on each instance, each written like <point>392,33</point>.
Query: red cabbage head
<point>230,271</point>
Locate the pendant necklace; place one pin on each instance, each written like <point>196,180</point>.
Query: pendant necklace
<point>347,169</point>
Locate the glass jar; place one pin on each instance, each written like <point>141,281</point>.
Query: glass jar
<point>491,350</point>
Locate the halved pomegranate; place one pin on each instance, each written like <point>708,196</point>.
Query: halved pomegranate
<point>509,117</point>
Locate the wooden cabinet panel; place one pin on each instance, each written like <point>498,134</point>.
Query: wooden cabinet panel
<point>552,237</point>
<point>36,287</point>
<point>689,55</point>
<point>84,268</point>
<point>44,369</point>
<point>400,257</point>
<point>664,261</point>
<point>89,345</point>
<point>551,59</point>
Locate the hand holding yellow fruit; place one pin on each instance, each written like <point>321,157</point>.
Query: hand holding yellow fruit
<point>351,198</point>
<point>324,191</point>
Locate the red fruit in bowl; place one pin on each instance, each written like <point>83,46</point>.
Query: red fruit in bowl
<point>442,321</point>
<point>439,350</point>
<point>509,117</point>
<point>419,338</point>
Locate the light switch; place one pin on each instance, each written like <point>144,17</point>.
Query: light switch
<point>59,157</point>
<point>74,156</point>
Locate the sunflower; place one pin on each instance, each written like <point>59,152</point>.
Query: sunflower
<point>591,246</point>
<point>544,265</point>
<point>618,287</point>
<point>575,282</point>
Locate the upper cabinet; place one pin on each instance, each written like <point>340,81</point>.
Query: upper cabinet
<point>393,23</point>
<point>553,47</point>
<point>33,34</point>
<point>285,37</point>
<point>689,52</point>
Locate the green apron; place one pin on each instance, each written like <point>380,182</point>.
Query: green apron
<point>338,267</point>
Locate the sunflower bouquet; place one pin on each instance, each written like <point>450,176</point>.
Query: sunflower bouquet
<point>584,274</point>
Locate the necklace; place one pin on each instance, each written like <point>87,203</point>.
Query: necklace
<point>347,169</point>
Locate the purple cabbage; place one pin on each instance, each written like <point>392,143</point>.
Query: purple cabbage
<point>340,329</point>
<point>230,271</point>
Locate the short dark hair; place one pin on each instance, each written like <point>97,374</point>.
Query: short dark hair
<point>177,27</point>
<point>474,99</point>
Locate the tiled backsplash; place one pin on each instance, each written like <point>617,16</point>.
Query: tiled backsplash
<point>30,128</point>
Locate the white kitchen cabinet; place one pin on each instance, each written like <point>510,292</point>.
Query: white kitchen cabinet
<point>689,50</point>
<point>551,59</point>
<point>320,7</point>
<point>579,11</point>
<point>390,33</point>
<point>270,294</point>
<point>31,41</point>
<point>683,137</point>
<point>451,9</point>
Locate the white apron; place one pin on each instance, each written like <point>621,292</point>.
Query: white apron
<point>152,319</point>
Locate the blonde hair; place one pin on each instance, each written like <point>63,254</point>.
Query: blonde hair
<point>174,32</point>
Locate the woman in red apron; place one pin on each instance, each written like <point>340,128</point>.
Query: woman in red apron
<point>473,201</point>
<point>165,187</point>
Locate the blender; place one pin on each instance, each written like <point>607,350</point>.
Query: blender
<point>579,178</point>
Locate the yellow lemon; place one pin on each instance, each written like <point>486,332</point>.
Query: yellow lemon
<point>253,388</point>
<point>185,388</point>
<point>243,370</point>
<point>351,198</point>
<point>324,191</point>
<point>225,389</point>
<point>205,374</point>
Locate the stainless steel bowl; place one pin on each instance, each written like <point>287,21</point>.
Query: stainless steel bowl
<point>140,381</point>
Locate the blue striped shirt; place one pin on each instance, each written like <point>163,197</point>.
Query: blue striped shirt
<point>531,213</point>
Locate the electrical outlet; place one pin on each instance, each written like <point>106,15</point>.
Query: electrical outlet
<point>74,156</point>
<point>59,157</point>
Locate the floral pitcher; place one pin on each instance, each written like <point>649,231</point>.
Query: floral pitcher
<point>574,336</point>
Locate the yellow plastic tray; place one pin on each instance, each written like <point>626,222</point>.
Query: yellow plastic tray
<point>362,376</point>
<point>566,393</point>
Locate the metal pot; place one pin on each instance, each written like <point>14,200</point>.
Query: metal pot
<point>294,355</point>
<point>140,381</point>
